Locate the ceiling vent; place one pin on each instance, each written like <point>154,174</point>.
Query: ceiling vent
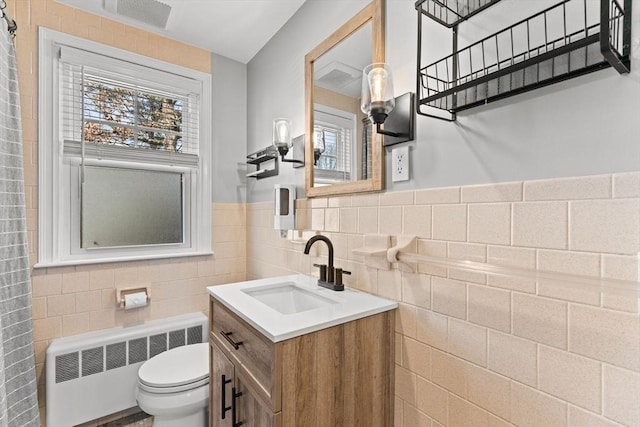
<point>339,77</point>
<point>150,12</point>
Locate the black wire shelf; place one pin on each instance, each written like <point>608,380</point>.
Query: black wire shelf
<point>451,12</point>
<point>556,44</point>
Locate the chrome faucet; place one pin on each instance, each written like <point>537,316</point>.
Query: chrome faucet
<point>330,277</point>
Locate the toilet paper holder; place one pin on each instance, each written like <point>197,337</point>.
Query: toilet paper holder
<point>122,292</point>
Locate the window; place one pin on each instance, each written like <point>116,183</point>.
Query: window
<point>338,128</point>
<point>124,155</point>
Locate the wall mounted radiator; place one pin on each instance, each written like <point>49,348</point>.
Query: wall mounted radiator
<point>96,374</point>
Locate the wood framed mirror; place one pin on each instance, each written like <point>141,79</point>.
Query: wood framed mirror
<point>343,153</point>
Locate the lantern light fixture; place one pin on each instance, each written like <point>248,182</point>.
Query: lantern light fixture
<point>379,103</point>
<point>282,141</point>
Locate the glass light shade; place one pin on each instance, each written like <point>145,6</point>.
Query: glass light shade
<point>282,135</point>
<point>377,92</point>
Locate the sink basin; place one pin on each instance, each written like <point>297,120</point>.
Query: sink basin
<point>287,298</point>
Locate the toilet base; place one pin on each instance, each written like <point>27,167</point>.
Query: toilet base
<point>183,409</point>
<point>198,419</point>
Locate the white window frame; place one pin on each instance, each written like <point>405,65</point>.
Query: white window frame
<point>333,117</point>
<point>58,218</point>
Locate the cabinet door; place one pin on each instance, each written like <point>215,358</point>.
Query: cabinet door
<point>220,388</point>
<point>252,411</point>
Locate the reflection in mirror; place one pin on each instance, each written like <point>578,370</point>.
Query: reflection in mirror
<point>130,207</point>
<point>337,118</point>
<point>345,151</point>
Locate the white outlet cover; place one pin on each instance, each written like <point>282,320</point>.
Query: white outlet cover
<point>400,164</point>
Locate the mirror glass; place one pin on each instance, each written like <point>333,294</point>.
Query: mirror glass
<point>347,150</point>
<point>337,118</point>
<point>130,207</point>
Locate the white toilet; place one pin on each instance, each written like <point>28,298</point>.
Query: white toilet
<point>174,387</point>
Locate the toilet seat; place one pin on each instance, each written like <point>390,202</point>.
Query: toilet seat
<point>179,369</point>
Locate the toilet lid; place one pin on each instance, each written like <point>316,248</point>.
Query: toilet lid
<point>176,367</point>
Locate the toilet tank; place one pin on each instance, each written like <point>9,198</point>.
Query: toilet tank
<point>92,375</point>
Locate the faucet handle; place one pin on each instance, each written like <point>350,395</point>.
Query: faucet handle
<point>339,273</point>
<point>323,271</point>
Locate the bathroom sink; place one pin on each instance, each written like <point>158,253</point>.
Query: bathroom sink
<point>287,298</point>
<point>286,307</point>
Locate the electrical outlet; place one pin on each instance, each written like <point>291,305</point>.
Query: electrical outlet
<point>400,164</point>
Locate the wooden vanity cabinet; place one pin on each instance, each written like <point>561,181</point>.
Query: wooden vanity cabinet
<point>338,376</point>
<point>229,392</point>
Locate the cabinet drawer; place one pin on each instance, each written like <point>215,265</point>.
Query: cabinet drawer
<point>248,349</point>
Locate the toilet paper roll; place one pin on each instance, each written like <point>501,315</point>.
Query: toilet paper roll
<point>135,300</point>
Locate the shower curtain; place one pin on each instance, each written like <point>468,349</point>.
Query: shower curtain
<point>18,388</point>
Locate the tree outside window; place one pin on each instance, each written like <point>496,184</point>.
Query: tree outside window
<point>118,115</point>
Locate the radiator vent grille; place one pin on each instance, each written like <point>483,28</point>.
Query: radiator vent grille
<point>92,361</point>
<point>157,344</point>
<point>194,335</point>
<point>67,367</point>
<point>176,338</point>
<point>137,350</point>
<point>117,355</point>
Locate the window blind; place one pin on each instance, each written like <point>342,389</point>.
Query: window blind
<point>125,108</point>
<point>336,161</point>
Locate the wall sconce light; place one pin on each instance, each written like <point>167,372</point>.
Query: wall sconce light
<point>282,139</point>
<point>318,145</point>
<point>378,102</point>
<point>282,136</point>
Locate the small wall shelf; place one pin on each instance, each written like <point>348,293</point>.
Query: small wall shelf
<point>561,42</point>
<point>266,155</point>
<point>450,13</point>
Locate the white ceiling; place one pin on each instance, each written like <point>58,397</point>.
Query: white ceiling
<point>237,29</point>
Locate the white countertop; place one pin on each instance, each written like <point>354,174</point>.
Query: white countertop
<point>346,305</point>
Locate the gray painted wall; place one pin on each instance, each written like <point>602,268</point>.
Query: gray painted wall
<point>229,129</point>
<point>584,126</point>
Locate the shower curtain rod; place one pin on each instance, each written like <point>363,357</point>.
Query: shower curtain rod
<point>11,23</point>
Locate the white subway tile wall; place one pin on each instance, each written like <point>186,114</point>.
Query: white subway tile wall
<point>492,350</point>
